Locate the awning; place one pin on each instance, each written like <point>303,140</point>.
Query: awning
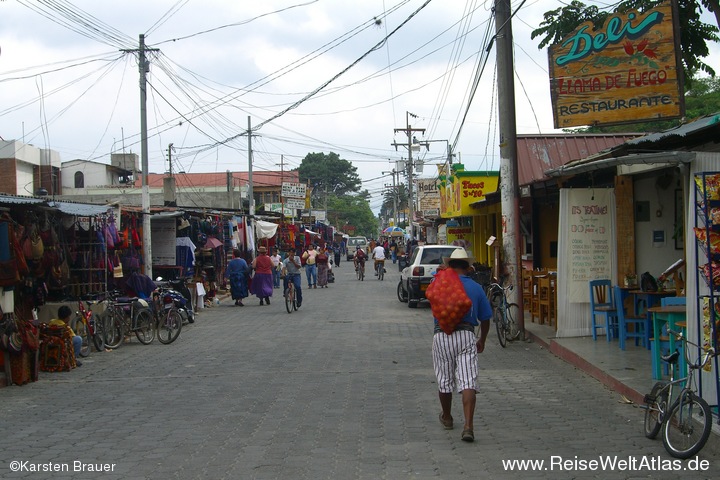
<point>594,164</point>
<point>18,200</point>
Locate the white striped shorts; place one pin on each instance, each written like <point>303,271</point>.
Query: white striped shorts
<point>455,360</point>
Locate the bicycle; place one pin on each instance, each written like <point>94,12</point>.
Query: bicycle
<point>360,270</point>
<point>290,299</point>
<point>380,268</point>
<point>504,313</point>
<point>168,321</point>
<point>687,422</point>
<point>89,328</point>
<point>126,315</point>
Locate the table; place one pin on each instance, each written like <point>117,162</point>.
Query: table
<point>670,315</point>
<point>651,299</point>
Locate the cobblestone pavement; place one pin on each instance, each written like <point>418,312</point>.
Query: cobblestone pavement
<point>343,388</point>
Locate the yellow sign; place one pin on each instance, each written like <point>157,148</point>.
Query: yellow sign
<point>461,189</point>
<point>627,70</point>
<point>460,237</point>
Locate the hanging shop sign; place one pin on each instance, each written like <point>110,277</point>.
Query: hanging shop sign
<point>460,237</point>
<point>627,70</point>
<point>460,190</point>
<point>308,219</point>
<point>428,196</point>
<point>293,190</point>
<point>320,215</point>
<point>294,203</point>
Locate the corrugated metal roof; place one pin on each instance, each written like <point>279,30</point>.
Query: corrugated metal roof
<point>540,153</point>
<point>681,131</point>
<point>218,179</point>
<point>18,200</point>
<point>79,209</point>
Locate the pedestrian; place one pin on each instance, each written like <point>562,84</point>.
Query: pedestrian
<point>291,267</point>
<point>322,260</point>
<point>63,320</point>
<point>455,356</point>
<point>276,260</point>
<point>393,250</point>
<point>337,253</point>
<point>238,272</point>
<point>310,267</point>
<point>262,285</point>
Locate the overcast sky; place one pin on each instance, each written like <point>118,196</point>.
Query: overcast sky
<point>90,95</point>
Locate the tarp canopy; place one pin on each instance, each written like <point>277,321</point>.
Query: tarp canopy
<point>265,229</point>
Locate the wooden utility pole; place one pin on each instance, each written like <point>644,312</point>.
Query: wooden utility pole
<point>509,193</point>
<point>409,132</point>
<point>251,205</point>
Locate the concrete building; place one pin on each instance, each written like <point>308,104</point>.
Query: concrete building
<point>27,169</point>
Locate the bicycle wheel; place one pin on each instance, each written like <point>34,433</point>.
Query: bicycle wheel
<point>289,299</point>
<point>381,272</point>
<point>169,326</point>
<point>656,403</point>
<point>114,328</point>
<point>80,328</point>
<point>512,330</point>
<point>98,332</point>
<point>144,326</point>
<point>687,426</point>
<point>499,320</point>
<point>362,273</point>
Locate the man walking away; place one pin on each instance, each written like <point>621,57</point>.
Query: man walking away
<point>455,356</point>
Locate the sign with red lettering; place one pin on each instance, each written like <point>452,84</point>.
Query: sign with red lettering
<point>626,70</point>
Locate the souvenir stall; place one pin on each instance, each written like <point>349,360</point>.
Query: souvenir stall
<point>50,251</point>
<point>207,233</point>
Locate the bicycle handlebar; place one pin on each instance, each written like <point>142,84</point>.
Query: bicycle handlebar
<point>709,352</point>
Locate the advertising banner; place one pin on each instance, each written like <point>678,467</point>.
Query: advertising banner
<point>627,70</point>
<point>460,237</point>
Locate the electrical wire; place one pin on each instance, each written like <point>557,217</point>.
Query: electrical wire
<point>167,16</point>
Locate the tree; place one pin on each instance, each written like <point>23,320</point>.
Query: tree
<point>388,200</point>
<point>328,171</point>
<point>694,34</point>
<point>353,210</point>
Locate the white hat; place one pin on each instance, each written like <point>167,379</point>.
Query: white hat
<point>459,254</point>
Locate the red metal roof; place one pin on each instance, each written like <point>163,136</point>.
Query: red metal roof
<point>539,153</point>
<point>216,179</point>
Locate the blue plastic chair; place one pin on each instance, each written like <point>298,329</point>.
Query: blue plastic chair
<point>665,344</point>
<point>641,325</point>
<point>601,303</point>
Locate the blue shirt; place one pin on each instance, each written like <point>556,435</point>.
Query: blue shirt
<point>481,309</point>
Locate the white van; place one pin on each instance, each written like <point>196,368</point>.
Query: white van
<point>353,243</point>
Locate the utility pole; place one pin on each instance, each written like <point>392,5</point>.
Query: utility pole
<point>251,205</point>
<point>169,190</point>
<point>170,150</point>
<point>143,66</point>
<point>509,193</point>
<point>409,131</point>
<point>282,180</point>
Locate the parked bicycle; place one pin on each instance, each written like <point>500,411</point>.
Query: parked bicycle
<point>686,421</point>
<point>89,327</point>
<point>504,313</point>
<point>125,316</point>
<point>168,320</point>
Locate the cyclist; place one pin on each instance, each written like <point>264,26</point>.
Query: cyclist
<point>291,267</point>
<point>379,256</point>
<point>360,257</point>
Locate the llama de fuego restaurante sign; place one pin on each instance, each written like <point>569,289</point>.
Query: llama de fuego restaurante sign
<point>627,70</point>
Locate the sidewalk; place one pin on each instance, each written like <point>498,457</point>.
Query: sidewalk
<point>627,372</point>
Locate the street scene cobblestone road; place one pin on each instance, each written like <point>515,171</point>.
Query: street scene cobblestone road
<point>343,388</point>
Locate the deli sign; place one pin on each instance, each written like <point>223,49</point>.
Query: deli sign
<point>626,70</point>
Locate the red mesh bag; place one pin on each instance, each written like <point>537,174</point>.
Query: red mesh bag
<point>448,300</point>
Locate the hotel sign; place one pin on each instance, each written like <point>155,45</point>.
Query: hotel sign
<point>626,70</point>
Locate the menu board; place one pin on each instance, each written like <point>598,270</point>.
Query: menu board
<point>590,240</point>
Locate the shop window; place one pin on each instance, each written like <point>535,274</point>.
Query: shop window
<point>79,180</point>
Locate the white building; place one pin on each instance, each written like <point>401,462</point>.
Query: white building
<point>26,169</point>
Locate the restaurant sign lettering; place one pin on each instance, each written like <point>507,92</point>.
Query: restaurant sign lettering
<point>626,70</point>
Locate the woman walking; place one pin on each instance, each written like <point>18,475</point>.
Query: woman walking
<point>238,273</point>
<point>322,260</point>
<point>262,284</point>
